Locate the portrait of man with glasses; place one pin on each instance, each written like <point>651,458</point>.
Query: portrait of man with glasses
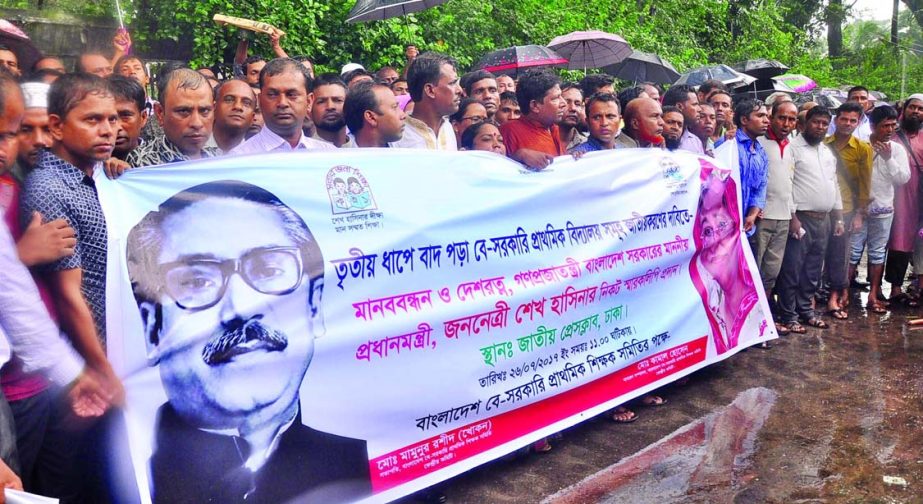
<point>229,281</point>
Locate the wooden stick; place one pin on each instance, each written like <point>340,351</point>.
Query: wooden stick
<point>247,24</point>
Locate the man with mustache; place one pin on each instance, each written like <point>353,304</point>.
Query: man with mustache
<point>605,124</point>
<point>644,122</point>
<point>328,94</point>
<point>534,139</point>
<point>771,235</point>
<point>704,127</point>
<point>33,134</point>
<point>186,111</point>
<point>685,99</point>
<point>284,99</point>
<point>230,319</point>
<point>816,197</point>
<point>673,127</point>
<point>574,116</point>
<point>482,86</point>
<point>436,93</point>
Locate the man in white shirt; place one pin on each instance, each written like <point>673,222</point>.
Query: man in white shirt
<point>26,328</point>
<point>890,168</point>
<point>816,195</point>
<point>772,229</point>
<point>373,116</point>
<point>284,103</point>
<point>436,93</point>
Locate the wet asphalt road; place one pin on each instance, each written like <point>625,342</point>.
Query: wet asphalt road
<point>826,416</point>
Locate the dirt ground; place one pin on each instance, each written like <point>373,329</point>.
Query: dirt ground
<point>832,416</point>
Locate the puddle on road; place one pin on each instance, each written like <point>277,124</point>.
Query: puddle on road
<point>710,456</point>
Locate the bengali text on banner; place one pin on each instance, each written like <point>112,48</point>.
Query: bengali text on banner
<point>360,325</point>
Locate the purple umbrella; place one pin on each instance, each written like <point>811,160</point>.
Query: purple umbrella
<point>512,60</point>
<point>591,49</point>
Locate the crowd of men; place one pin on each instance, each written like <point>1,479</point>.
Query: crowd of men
<point>820,189</point>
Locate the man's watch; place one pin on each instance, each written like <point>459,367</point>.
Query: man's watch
<point>840,222</point>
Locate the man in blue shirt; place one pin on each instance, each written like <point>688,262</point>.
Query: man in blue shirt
<point>83,121</point>
<point>605,124</point>
<point>752,121</point>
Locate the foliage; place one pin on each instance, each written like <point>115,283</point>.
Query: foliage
<point>687,33</point>
<point>870,59</point>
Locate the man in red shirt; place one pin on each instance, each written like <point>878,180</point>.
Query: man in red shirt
<point>534,139</point>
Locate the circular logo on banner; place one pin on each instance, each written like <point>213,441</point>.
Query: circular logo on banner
<point>349,190</point>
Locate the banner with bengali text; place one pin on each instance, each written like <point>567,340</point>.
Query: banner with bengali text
<point>360,325</point>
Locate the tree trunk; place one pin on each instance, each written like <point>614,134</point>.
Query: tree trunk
<point>835,15</point>
<point>894,11</point>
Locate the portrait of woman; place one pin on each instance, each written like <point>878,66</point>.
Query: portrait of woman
<point>718,267</point>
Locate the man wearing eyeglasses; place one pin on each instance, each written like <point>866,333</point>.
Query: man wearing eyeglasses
<point>230,315</point>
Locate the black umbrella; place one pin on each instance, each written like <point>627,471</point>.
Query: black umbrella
<point>730,77</point>
<point>376,10</point>
<point>512,60</point>
<point>761,68</point>
<point>644,67</point>
<point>18,42</point>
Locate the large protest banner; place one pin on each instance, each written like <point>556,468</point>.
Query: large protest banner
<point>363,324</point>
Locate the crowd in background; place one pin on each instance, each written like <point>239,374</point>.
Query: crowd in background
<point>821,190</point>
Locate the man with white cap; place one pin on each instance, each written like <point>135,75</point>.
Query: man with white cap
<point>354,73</point>
<point>33,135</point>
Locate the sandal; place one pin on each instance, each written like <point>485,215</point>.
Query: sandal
<point>781,329</point>
<point>905,299</point>
<point>876,308</point>
<point>653,400</point>
<point>816,323</point>
<point>623,415</point>
<point>838,314</point>
<point>542,446</point>
<point>796,328</point>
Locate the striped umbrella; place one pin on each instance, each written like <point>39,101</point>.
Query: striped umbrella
<point>800,83</point>
<point>512,60</point>
<point>730,77</point>
<point>591,49</point>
